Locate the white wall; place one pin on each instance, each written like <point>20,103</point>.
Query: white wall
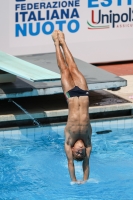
<point>91,45</point>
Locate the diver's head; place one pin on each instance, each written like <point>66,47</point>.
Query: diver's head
<point>79,150</point>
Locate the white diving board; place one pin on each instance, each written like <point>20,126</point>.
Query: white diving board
<point>26,69</point>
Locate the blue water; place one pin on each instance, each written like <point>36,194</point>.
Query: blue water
<point>36,168</point>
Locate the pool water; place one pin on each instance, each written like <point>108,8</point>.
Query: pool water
<point>33,164</point>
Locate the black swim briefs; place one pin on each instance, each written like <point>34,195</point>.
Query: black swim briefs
<point>77,92</point>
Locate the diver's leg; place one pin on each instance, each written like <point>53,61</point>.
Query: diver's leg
<point>77,76</point>
<point>66,78</point>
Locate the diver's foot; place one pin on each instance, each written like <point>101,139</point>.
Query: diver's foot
<point>55,37</point>
<point>61,37</point>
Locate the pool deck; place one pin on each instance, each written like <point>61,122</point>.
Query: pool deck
<point>124,70</point>
<point>101,101</point>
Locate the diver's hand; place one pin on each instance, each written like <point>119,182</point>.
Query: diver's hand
<point>78,182</point>
<point>81,182</point>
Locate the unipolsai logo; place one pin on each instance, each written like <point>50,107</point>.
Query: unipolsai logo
<point>105,14</point>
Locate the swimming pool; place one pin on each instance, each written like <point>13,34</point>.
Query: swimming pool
<point>33,164</point>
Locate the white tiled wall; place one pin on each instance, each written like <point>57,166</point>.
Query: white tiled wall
<point>37,132</point>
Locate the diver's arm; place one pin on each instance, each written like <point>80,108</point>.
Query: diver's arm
<point>70,162</point>
<point>86,168</point>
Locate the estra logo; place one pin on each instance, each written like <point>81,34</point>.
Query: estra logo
<point>104,14</point>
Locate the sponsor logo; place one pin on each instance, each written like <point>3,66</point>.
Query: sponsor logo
<point>37,17</point>
<point>20,0</point>
<point>105,14</point>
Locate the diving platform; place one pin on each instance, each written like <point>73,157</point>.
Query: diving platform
<point>26,70</point>
<point>38,75</point>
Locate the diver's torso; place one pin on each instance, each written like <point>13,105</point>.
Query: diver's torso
<point>78,124</point>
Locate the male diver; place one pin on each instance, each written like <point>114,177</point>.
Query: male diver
<point>78,129</point>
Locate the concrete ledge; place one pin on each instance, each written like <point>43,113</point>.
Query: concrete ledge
<point>64,112</point>
<point>109,108</point>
